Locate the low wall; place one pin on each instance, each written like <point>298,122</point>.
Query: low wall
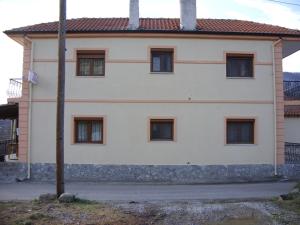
<point>11,171</point>
<point>179,174</point>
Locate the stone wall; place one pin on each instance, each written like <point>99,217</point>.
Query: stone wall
<point>10,171</point>
<point>180,174</point>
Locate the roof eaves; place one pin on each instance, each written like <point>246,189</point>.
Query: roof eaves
<point>17,32</point>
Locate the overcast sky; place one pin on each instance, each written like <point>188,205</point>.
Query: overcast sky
<point>17,13</point>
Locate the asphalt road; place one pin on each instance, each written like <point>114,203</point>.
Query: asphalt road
<point>147,192</point>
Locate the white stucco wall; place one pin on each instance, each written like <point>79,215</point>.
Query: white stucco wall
<point>133,80</point>
<point>200,125</point>
<point>292,129</point>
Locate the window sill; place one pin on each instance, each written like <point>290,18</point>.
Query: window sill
<point>241,144</point>
<point>162,140</point>
<point>162,73</point>
<point>89,144</point>
<point>250,78</point>
<point>90,76</point>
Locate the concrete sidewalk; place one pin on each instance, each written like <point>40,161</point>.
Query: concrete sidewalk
<point>147,192</point>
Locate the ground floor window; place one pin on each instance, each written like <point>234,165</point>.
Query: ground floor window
<point>91,130</point>
<point>88,130</point>
<point>161,129</point>
<point>240,131</point>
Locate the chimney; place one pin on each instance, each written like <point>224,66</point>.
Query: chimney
<point>134,15</point>
<point>188,17</point>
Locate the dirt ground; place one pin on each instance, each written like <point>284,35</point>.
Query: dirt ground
<point>284,210</point>
<point>142,213</point>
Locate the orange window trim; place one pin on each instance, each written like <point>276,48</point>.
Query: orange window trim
<point>241,55</point>
<point>241,120</point>
<point>90,54</point>
<point>90,120</point>
<point>163,121</point>
<point>164,51</point>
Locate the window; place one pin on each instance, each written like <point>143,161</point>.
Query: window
<point>90,63</point>
<point>161,129</point>
<point>89,130</point>
<point>162,60</point>
<point>239,65</point>
<point>240,131</point>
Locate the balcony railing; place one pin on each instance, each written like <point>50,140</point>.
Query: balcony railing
<point>291,90</point>
<point>14,88</point>
<point>292,153</point>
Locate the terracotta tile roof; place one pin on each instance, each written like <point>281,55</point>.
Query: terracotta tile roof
<point>160,25</point>
<point>292,110</point>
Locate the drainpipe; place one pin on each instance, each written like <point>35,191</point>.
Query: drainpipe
<point>29,114</point>
<point>274,107</point>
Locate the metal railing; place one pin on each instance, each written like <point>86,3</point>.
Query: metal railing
<point>291,90</point>
<point>292,153</point>
<point>15,88</point>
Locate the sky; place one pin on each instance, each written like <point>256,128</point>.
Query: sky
<point>17,13</point>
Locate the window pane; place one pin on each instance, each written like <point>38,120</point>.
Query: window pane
<point>156,64</point>
<point>96,131</point>
<point>232,133</point>
<point>84,67</point>
<point>162,61</point>
<point>246,132</point>
<point>82,131</point>
<point>245,67</point>
<point>166,62</point>
<point>233,68</point>
<point>166,130</point>
<point>162,130</point>
<point>98,67</point>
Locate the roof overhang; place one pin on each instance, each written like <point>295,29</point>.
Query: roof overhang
<point>20,37</point>
<point>290,46</point>
<point>17,38</point>
<point>9,111</point>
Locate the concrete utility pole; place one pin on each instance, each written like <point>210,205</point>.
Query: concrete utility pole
<point>60,109</point>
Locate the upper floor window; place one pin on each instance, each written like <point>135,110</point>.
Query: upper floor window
<point>89,130</point>
<point>162,60</point>
<point>90,63</point>
<point>240,131</point>
<point>239,65</point>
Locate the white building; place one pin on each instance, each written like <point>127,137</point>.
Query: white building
<point>170,100</point>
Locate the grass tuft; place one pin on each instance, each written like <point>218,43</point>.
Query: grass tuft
<point>84,201</point>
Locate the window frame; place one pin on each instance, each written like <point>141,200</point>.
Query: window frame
<point>90,54</point>
<point>241,56</point>
<point>246,119</point>
<point>162,120</point>
<point>89,120</point>
<point>162,51</point>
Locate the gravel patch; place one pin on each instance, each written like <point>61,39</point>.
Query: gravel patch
<point>195,212</point>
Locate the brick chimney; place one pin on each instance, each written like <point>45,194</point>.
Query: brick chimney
<point>134,15</point>
<point>188,16</point>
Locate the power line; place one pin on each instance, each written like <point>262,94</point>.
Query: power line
<point>282,2</point>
